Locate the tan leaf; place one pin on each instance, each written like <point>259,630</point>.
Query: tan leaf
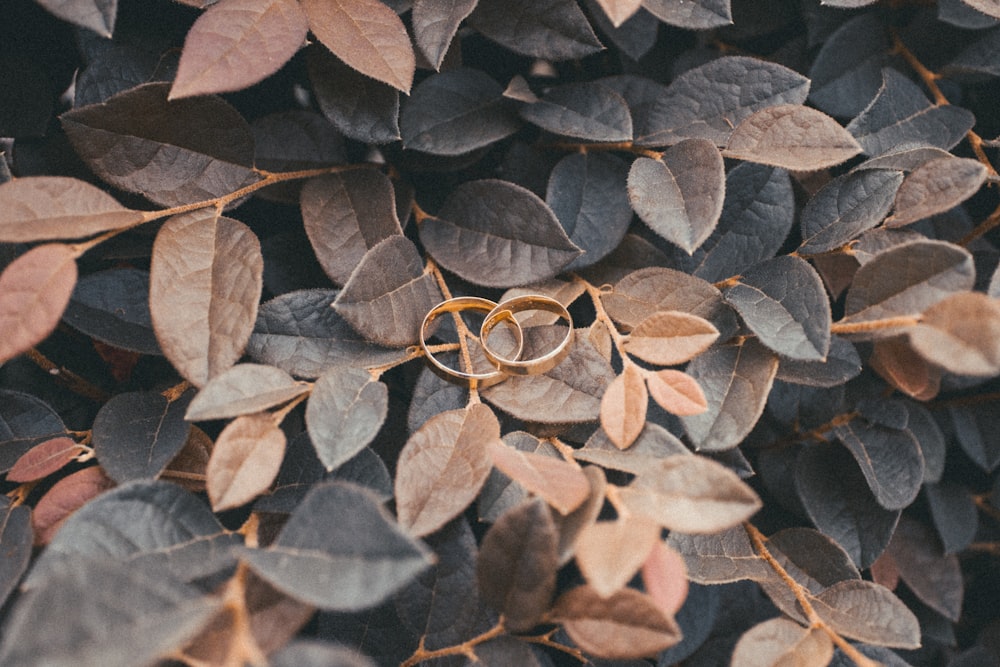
<point>664,577</point>
<point>571,524</point>
<point>619,11</point>
<point>865,611</point>
<point>442,467</point>
<point>781,642</point>
<point>961,334</point>
<point>623,407</point>
<point>562,485</point>
<point>245,460</point>
<point>670,337</point>
<point>34,291</point>
<point>676,392</point>
<point>896,361</point>
<point>367,35</point>
<point>609,553</point>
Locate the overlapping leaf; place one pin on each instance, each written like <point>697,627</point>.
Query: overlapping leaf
<point>696,15</point>
<point>781,640</point>
<point>96,15</point>
<point>961,334</point>
<point>847,72</point>
<point>244,461</point>
<point>588,111</point>
<point>935,578</point>
<point>935,187</point>
<point>561,484</point>
<point>609,553</point>
<point>435,24</point>
<point>890,460</point>
<point>550,29</point>
<point>113,307</point>
<point>670,337</point>
<point>846,206</point>
<point>345,411</point>
<point>676,392</point>
<point>243,389</point>
<point>360,107</point>
<point>623,406</point>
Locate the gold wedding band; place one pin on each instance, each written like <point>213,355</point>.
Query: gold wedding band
<point>505,312</point>
<point>455,305</point>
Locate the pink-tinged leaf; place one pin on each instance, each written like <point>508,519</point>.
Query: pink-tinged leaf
<point>619,11</point>
<point>609,553</point>
<point>34,291</point>
<point>44,459</point>
<point>65,497</point>
<point>367,35</point>
<point>782,642</point>
<point>237,43</point>
<point>245,460</point>
<point>623,407</point>
<point>664,576</point>
<point>676,392</point>
<point>562,485</point>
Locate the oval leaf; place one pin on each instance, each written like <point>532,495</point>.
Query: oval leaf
<point>561,484</point>
<point>345,411</point>
<point>961,334</point>
<point>435,24</point>
<point>865,611</point>
<point>664,577</point>
<point>44,459</point>
<point>670,337</point>
<point>609,553</point>
<point>623,407</point>
<point>676,392</point>
<point>846,206</point>
<point>935,187</point>
<point>587,111</point>
<point>890,460</point>
<point>782,641</point>
<point>243,389</point>
<point>244,461</point>
<point>113,307</point>
<point>549,29</point>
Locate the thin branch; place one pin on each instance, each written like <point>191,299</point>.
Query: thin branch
<point>466,648</point>
<point>874,325</point>
<point>71,380</point>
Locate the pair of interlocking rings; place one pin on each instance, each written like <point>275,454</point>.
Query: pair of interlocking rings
<point>497,313</point>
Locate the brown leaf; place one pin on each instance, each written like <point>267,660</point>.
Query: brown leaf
<point>44,459</point>
<point>896,361</point>
<point>670,337</point>
<point>865,611</point>
<point>39,208</point>
<point>609,553</point>
<point>442,467</point>
<point>676,392</point>
<point>781,642</point>
<point>935,187</point>
<point>188,468</point>
<point>626,625</point>
<point>570,525</point>
<point>34,291</point>
<point>623,406</point>
<point>245,460</point>
<point>720,558</point>
<point>935,578</point>
<point>961,334</point>
<point>619,11</point>
<point>65,497</point>
<point>664,577</point>
<point>205,282</point>
<point>237,43</point>
<point>367,35</point>
<point>561,484</point>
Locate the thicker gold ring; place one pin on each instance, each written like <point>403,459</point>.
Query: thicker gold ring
<point>506,311</point>
<point>454,305</point>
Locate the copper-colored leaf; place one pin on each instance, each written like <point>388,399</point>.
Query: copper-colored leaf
<point>897,362</point>
<point>187,469</point>
<point>619,11</point>
<point>571,524</point>
<point>563,485</point>
<point>442,467</point>
<point>237,43</point>
<point>626,625</point>
<point>609,553</point>
<point>670,337</point>
<point>781,642</point>
<point>623,406</point>
<point>205,279</point>
<point>367,35</point>
<point>245,460</point>
<point>39,208</point>
<point>664,576</point>
<point>65,497</point>
<point>44,459</point>
<point>34,291</point>
<point>676,392</point>
<point>961,334</point>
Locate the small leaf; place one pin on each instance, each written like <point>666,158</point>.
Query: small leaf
<point>935,187</point>
<point>626,625</point>
<point>846,206</point>
<point>680,196</point>
<point>589,111</point>
<point>435,24</point>
<point>865,611</point>
<point>205,278</point>
<point>39,208</point>
<point>237,43</point>
<point>44,459</point>
<point>367,35</point>
<point>442,467</point>
<point>241,390</point>
<point>561,484</point>
<point>781,641</point>
<point>623,406</point>
<point>609,553</point>
<point>676,392</point>
<point>34,291</point>
<point>245,460</point>
<point>65,497</point>
<point>899,364</point>
<point>793,137</point>
<point>96,15</point>
<point>619,11</point>
<point>664,578</point>
<point>934,577</point>
<point>345,411</point>
<point>667,338</point>
<point>696,15</point>
<point>652,445</point>
<point>550,29</point>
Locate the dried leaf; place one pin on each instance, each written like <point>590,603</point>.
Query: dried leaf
<point>846,206</point>
<point>865,611</point>
<point>244,461</point>
<point>569,526</point>
<point>623,406</point>
<point>676,392</point>
<point>793,137</point>
<point>664,578</point>
<point>550,29</point>
<point>667,338</point>
<point>65,497</point>
<point>561,484</point>
<point>237,43</point>
<point>34,291</point>
<point>934,577</point>
<point>961,334</point>
<point>781,641</point>
<point>609,553</point>
<point>39,208</point>
<point>243,389</point>
<point>346,409</point>
<point>367,35</point>
<point>44,459</point>
<point>442,467</point>
<point>589,111</point>
<point>694,15</point>
<point>935,187</point>
<point>652,445</point>
<point>435,24</point>
<point>205,283</point>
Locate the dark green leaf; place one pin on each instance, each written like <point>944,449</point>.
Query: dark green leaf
<point>847,206</point>
<point>550,29</point>
<point>588,111</point>
<point>345,411</point>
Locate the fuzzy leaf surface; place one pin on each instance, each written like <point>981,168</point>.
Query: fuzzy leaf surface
<point>345,411</point>
<point>241,390</point>
<point>244,461</point>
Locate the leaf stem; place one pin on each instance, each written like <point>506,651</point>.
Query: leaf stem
<point>982,228</point>
<point>73,382</point>
<point>466,648</point>
<point>624,146</point>
<point>463,331</point>
<point>601,314</point>
<point>279,415</point>
<point>546,640</point>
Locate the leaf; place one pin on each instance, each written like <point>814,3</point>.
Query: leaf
<point>736,381</point>
<point>961,334</point>
<point>667,338</point>
<point>676,392</point>
<point>842,363</point>
<point>680,196</point>
<point>623,406</point>
<point>935,187</point>
<point>974,59</point>
<point>16,539</point>
<point>316,653</point>
<point>988,7</point>
<point>25,421</point>
<point>454,112</point>
<point>955,515</point>
<point>442,467</point>
<point>113,307</point>
<point>793,137</point>
<point>626,625</point>
<point>237,43</point>
<point>550,29</point>
<point>782,300</point>
<point>497,234</point>
<point>34,291</point>
<point>173,153</point>
<point>899,365</point>
<point>388,293</point>
<point>736,86</point>
<point>652,445</point>
<point>847,71</point>
<point>44,459</point>
<point>570,525</point>
<point>346,215</point>
<point>901,113</point>
<point>435,24</point>
<point>720,558</point>
<point>609,553</point>
<point>974,431</point>
<point>619,11</point>
<point>846,206</point>
<point>691,494</point>
<point>366,35</point>
<point>890,460</point>
<point>205,283</point>
<point>348,564</point>
<point>865,611</point>
<point>294,140</point>
<point>96,15</point>
<point>664,578</point>
<point>588,110</point>
<point>40,208</point>
<point>345,411</point>
<point>242,390</point>
<point>560,483</point>
<point>244,461</point>
<point>934,577</point>
<point>697,15</point>
<point>517,563</point>
<point>906,280</point>
<point>781,641</point>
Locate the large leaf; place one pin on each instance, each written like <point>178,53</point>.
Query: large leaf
<point>935,577</point>
<point>961,334</point>
<point>588,111</point>
<point>846,206</point>
<point>865,611</point>
<point>670,337</point>
<point>889,459</point>
<point>609,553</point>
<point>935,187</point>
<point>847,71</point>
<point>561,484</point>
<point>345,411</point>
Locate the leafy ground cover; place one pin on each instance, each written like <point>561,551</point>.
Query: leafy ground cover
<point>773,439</point>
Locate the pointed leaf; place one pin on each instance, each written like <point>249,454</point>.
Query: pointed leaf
<point>362,108</point>
<point>935,187</point>
<point>619,11</point>
<point>720,558</point>
<point>670,337</point>
<point>96,15</point>
<point>550,29</point>
<point>589,111</point>
<point>846,206</point>
<point>934,577</point>
<point>609,553</point>
<point>243,389</point>
<point>664,578</point>
<point>346,409</point>
<point>561,484</point>
<point>245,460</point>
<point>435,24</point>
<point>44,459</point>
<point>865,611</point>
<point>652,445</point>
<point>793,137</point>
<point>782,641</point>
<point>961,334</point>
<point>66,496</point>
<point>847,72</point>
<point>676,392</point>
<point>695,15</point>
<point>623,406</point>
<point>890,460</point>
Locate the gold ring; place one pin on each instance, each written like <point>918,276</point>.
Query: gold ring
<point>454,305</point>
<point>505,311</point>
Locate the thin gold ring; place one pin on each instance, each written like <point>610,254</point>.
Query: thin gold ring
<point>454,305</point>
<point>505,312</point>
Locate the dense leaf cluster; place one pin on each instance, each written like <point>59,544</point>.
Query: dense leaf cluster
<point>774,437</point>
